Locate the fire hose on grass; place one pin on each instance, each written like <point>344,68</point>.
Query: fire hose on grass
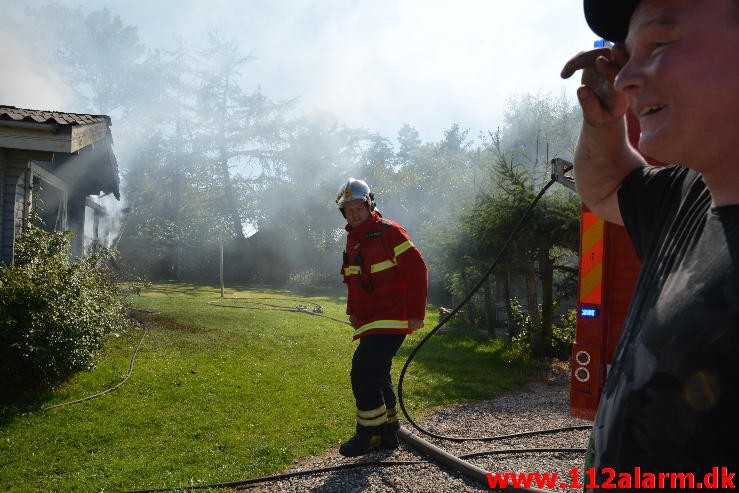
<point>144,330</point>
<point>457,463</point>
<point>302,306</point>
<point>439,455</point>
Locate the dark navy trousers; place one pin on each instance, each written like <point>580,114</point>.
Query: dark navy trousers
<point>371,381</point>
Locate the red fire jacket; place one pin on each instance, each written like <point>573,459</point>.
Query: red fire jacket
<point>386,277</point>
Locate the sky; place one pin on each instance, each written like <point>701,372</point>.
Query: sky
<point>374,64</point>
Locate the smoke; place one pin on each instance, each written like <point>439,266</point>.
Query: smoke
<point>31,80</point>
<point>28,81</point>
<point>109,223</point>
<point>368,66</point>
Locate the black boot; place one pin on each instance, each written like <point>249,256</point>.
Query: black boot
<point>392,419</point>
<point>390,434</point>
<point>366,439</point>
<point>390,438</point>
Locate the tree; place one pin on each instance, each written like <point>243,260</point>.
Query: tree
<point>539,127</point>
<point>98,55</point>
<point>549,234</point>
<point>297,205</point>
<point>236,128</point>
<point>434,180</point>
<point>510,166</point>
<point>171,211</point>
<point>408,144</point>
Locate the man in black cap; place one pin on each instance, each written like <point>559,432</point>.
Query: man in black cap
<point>671,398</point>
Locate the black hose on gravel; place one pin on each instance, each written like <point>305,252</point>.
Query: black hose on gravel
<point>361,464</point>
<point>457,463</point>
<point>448,317</point>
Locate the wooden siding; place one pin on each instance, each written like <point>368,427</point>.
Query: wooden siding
<point>52,138</point>
<point>14,180</point>
<point>72,152</point>
<point>2,194</point>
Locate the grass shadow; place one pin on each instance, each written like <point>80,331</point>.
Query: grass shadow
<point>459,366</point>
<point>16,402</point>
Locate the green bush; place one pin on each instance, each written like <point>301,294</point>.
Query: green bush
<point>55,312</point>
<point>519,348</point>
<point>563,335</point>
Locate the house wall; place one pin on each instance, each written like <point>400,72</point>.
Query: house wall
<point>11,207</point>
<point>2,188</point>
<point>74,157</point>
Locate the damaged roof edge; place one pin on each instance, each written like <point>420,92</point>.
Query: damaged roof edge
<point>67,134</point>
<point>14,113</point>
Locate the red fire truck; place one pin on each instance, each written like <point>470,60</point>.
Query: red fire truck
<point>608,271</point>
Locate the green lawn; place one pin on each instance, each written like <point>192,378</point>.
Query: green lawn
<point>221,394</point>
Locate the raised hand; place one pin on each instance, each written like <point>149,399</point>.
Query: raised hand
<point>602,104</point>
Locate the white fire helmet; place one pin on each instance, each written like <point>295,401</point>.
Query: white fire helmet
<point>355,190</point>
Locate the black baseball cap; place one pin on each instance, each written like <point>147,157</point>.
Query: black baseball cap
<point>609,19</point>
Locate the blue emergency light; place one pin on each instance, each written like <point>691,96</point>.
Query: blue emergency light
<point>602,43</point>
<point>589,312</point>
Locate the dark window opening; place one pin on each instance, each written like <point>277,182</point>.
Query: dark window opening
<point>50,204</point>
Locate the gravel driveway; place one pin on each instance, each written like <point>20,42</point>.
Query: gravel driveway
<point>542,404</point>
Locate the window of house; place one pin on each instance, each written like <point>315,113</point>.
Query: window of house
<point>49,201</point>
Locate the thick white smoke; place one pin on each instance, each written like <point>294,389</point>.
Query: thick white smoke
<point>28,81</point>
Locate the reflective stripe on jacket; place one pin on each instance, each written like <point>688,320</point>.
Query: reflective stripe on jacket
<point>386,277</point>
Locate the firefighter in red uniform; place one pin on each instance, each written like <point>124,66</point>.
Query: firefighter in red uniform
<point>387,281</point>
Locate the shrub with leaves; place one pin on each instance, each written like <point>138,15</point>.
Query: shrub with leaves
<point>563,335</point>
<point>55,312</point>
<point>519,348</point>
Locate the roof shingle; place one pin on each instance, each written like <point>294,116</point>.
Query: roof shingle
<point>41,116</point>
